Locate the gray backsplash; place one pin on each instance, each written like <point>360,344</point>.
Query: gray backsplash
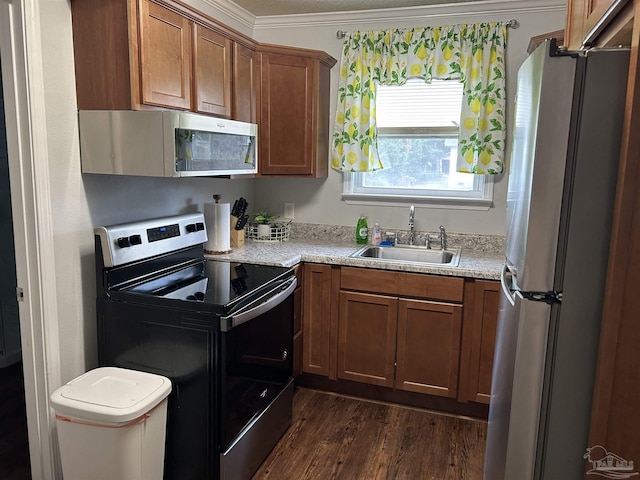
<point>344,234</point>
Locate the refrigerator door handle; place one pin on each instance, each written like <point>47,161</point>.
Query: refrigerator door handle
<point>509,288</point>
<point>506,281</point>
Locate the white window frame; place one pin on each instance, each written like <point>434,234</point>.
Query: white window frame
<point>481,198</point>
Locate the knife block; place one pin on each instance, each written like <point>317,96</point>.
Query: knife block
<point>237,236</point>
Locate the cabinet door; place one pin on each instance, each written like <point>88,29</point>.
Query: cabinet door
<point>287,116</point>
<point>575,26</point>
<point>316,322</point>
<point>165,57</point>
<point>583,15</point>
<point>482,334</point>
<point>246,84</point>
<point>212,67</point>
<point>428,355</point>
<point>367,338</point>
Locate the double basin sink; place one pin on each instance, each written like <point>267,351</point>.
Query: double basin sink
<point>410,254</point>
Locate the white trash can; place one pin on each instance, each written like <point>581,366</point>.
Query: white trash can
<point>111,424</point>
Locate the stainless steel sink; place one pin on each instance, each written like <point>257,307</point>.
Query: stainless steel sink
<point>410,254</point>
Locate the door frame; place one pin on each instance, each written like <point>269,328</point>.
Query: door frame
<point>23,84</point>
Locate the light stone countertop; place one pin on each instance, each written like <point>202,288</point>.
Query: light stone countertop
<point>473,264</point>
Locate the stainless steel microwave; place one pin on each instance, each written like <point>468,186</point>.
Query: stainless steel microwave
<point>165,144</point>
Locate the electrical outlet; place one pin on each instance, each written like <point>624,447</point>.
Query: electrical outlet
<point>288,210</point>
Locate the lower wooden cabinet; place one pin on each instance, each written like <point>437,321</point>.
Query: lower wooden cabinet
<point>367,338</point>
<point>411,345</point>
<point>482,299</point>
<point>367,331</point>
<point>428,356</point>
<point>316,318</point>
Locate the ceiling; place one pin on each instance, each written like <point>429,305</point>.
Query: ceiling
<point>288,7</point>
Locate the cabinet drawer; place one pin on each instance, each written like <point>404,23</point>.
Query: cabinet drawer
<point>401,283</point>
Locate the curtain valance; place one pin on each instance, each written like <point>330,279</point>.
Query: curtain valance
<point>472,54</point>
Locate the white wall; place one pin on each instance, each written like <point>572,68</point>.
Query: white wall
<point>319,201</point>
<point>80,202</point>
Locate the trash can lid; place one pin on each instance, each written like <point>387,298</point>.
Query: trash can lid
<point>111,394</point>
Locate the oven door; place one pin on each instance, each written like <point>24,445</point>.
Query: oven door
<point>257,364</point>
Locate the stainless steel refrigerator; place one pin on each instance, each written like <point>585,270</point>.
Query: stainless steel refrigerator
<point>562,179</point>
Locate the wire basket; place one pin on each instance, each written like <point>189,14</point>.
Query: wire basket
<point>276,232</point>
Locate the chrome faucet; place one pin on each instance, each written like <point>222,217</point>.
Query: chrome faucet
<point>443,238</point>
<point>412,212</point>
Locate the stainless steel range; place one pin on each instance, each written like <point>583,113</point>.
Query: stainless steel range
<point>221,331</point>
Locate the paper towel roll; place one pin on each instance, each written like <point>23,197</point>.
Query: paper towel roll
<point>217,218</point>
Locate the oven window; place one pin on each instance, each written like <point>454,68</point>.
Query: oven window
<point>258,362</point>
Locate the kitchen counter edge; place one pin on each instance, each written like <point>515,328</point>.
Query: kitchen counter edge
<point>479,265</point>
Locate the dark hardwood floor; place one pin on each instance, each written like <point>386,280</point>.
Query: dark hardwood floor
<point>14,446</point>
<point>338,437</point>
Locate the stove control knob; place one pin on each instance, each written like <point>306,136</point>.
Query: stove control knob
<point>135,240</point>
<point>191,227</point>
<point>199,226</point>
<point>123,242</point>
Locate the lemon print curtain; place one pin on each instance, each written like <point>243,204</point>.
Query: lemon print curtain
<point>472,54</point>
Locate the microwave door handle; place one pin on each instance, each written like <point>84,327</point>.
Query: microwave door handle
<point>284,290</point>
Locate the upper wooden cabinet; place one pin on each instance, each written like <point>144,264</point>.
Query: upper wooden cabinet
<point>246,84</point>
<point>137,54</point>
<point>165,57</point>
<point>614,18</point>
<point>212,72</point>
<point>154,54</point>
<point>294,113</point>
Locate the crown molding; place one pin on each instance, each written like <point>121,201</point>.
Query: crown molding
<point>507,7</point>
<point>236,12</point>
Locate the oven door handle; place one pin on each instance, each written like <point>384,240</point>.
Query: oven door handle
<point>273,298</point>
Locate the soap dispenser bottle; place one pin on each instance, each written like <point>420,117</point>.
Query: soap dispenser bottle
<point>377,235</point>
<point>362,231</point>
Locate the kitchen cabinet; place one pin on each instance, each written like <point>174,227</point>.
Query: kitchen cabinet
<point>212,72</point>
<point>367,338</point>
<point>294,112</point>
<point>316,304</point>
<point>246,84</point>
<point>408,332</point>
<point>139,54</point>
<point>615,16</point>
<point>428,353</point>
<point>165,57</point>
<point>158,54</point>
<point>534,42</point>
<point>393,341</point>
<point>481,302</point>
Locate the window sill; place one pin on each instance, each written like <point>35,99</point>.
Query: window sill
<point>404,200</point>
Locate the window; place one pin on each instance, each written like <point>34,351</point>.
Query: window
<point>418,146</point>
